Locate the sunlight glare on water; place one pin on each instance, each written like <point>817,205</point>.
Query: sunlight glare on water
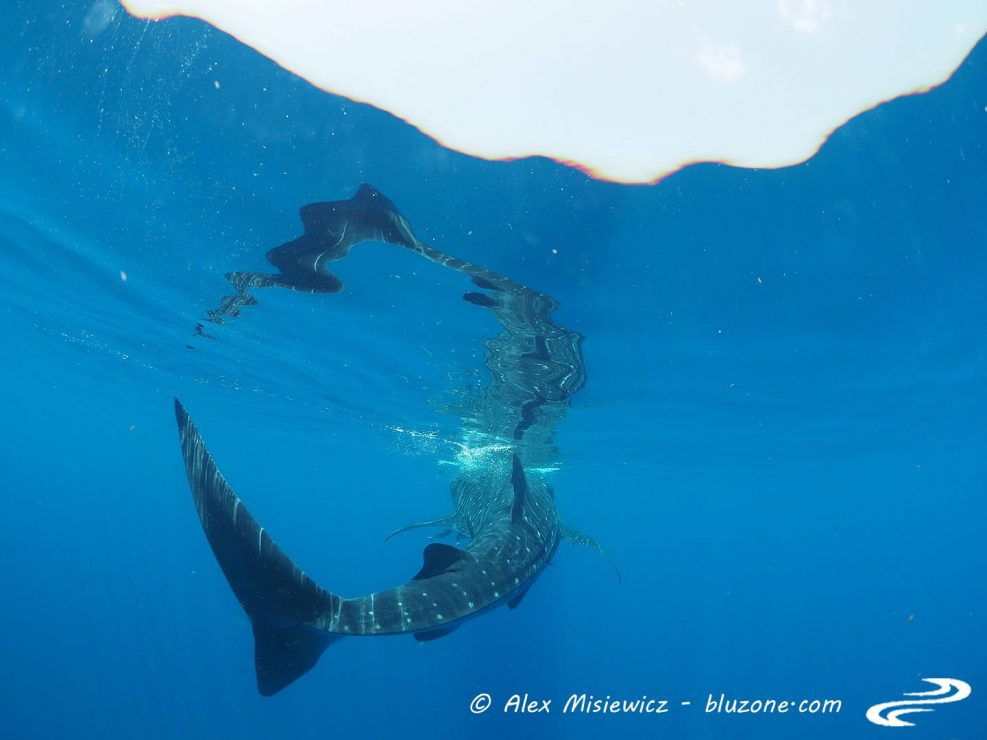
<point>626,90</point>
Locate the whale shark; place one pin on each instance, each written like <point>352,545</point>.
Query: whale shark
<point>504,509</point>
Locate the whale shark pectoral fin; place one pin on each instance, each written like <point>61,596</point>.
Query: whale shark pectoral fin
<point>513,602</point>
<point>439,559</point>
<point>281,601</point>
<point>480,299</point>
<point>520,484</point>
<point>428,635</point>
<point>449,522</point>
<point>573,535</point>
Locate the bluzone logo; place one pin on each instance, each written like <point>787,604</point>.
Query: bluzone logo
<point>950,690</point>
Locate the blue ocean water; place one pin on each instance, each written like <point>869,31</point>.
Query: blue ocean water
<point>781,439</point>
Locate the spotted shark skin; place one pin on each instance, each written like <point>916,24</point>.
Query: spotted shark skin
<point>508,516</point>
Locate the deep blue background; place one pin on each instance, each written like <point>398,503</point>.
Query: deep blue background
<point>781,440</point>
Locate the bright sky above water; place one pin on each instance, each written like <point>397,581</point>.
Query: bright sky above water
<point>629,90</point>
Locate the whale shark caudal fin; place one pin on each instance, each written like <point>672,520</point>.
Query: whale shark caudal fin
<point>281,601</point>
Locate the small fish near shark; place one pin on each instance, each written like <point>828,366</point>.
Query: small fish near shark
<point>506,512</point>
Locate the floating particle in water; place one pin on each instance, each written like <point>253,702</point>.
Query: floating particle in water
<point>99,17</point>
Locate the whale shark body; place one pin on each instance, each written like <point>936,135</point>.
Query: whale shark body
<point>507,514</point>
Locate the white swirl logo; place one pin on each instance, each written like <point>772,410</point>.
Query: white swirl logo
<point>950,690</point>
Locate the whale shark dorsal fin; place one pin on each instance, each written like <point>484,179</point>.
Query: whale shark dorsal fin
<point>439,559</point>
<point>520,483</point>
<point>573,535</point>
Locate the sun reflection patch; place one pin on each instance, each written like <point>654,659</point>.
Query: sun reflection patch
<point>628,90</point>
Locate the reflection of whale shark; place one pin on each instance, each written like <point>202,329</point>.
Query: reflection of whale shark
<point>508,516</point>
<point>331,229</point>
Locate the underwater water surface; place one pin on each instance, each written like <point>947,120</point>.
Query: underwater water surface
<point>780,441</point>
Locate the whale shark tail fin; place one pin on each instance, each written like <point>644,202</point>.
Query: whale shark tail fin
<point>283,603</point>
